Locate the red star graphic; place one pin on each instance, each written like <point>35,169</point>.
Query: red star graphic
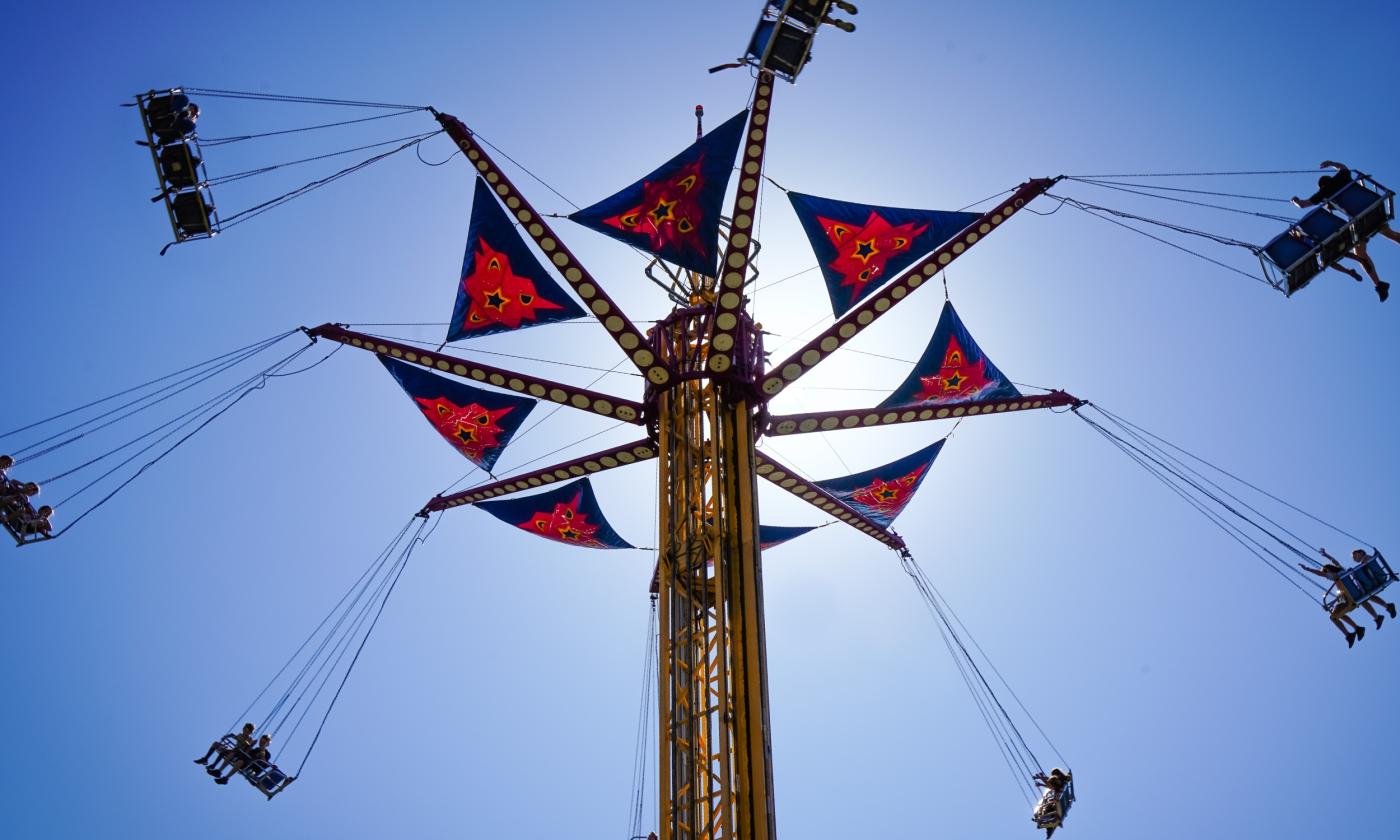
<point>888,496</point>
<point>956,380</point>
<point>862,252</point>
<point>565,524</point>
<point>470,428</point>
<point>499,297</point>
<point>669,214</point>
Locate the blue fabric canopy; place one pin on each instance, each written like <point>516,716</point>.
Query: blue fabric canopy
<point>860,246</point>
<point>952,369</point>
<point>881,494</point>
<point>674,211</point>
<point>502,286</point>
<point>568,514</point>
<point>773,535</point>
<point>478,423</point>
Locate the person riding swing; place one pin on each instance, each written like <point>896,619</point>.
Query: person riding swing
<point>1049,813</point>
<point>225,748</point>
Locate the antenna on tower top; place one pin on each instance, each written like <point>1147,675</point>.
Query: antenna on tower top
<point>699,121</point>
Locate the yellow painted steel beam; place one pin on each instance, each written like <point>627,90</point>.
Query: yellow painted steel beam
<point>583,399</point>
<point>734,266</point>
<point>864,418</point>
<point>607,459</point>
<point>813,495</point>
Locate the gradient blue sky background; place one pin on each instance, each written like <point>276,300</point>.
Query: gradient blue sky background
<point>1194,693</point>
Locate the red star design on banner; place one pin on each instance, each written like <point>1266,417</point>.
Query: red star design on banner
<point>565,524</point>
<point>470,428</point>
<point>956,379</point>
<point>498,295</point>
<point>888,496</point>
<point>669,213</point>
<point>863,252</point>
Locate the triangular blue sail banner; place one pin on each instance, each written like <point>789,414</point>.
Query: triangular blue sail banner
<point>953,369</point>
<point>860,246</point>
<point>882,493</point>
<point>478,423</point>
<point>772,535</point>
<point>502,286</point>
<point>568,514</point>
<point>674,212</point>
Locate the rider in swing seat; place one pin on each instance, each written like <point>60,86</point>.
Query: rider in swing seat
<point>222,749</point>
<point>1050,811</point>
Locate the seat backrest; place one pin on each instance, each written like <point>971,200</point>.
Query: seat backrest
<point>271,778</point>
<point>1354,199</point>
<point>1320,225</point>
<point>1286,250</point>
<point>1354,582</point>
<point>161,110</point>
<point>1374,574</point>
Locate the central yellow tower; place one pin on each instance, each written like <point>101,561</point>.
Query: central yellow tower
<point>715,763</point>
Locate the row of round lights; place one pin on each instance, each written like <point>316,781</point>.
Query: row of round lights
<point>732,272</point>
<point>786,426</point>
<point>630,454</point>
<point>628,411</point>
<point>821,499</point>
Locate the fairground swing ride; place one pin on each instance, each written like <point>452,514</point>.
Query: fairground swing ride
<point>708,387</point>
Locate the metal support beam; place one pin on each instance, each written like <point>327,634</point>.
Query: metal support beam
<point>863,418</point>
<point>618,456</point>
<point>808,492</point>
<point>607,405</point>
<point>784,373</point>
<point>734,267</point>
<point>613,319</point>
<point>715,755</point>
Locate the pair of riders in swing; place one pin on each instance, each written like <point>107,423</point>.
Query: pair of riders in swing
<point>1327,187</point>
<point>237,753</point>
<point>1341,609</point>
<point>17,513</point>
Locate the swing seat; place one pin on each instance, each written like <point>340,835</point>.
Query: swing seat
<point>782,42</point>
<point>1368,210</point>
<point>19,517</point>
<point>1051,810</point>
<point>164,116</point>
<point>1367,579</point>
<point>263,775</point>
<point>1294,257</point>
<point>267,778</point>
<point>1310,245</point>
<point>1328,233</point>
<point>179,166</point>
<point>161,111</point>
<point>192,215</point>
<point>177,158</point>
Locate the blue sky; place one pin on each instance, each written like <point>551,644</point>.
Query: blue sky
<point>498,696</point>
